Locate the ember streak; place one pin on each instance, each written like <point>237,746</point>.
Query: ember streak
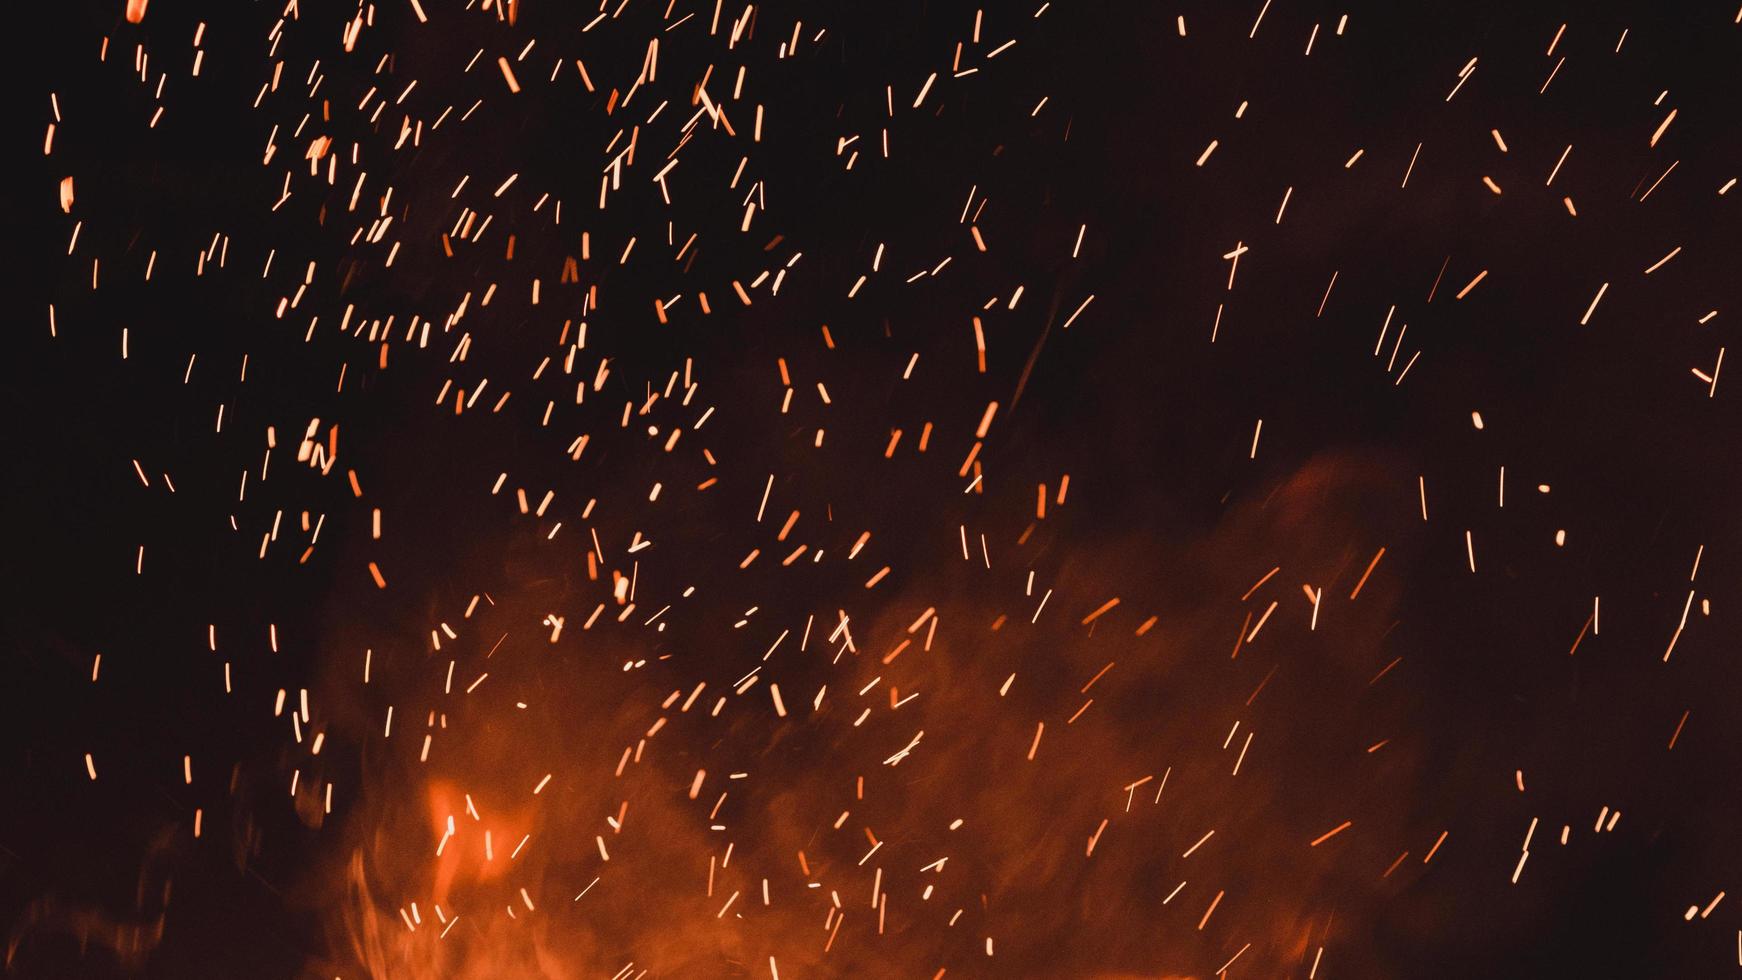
<point>513,488</point>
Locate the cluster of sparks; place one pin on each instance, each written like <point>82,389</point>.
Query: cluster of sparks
<point>760,637</point>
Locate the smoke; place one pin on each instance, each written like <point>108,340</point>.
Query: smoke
<point>687,594</point>
<point>123,940</point>
<point>910,793</point>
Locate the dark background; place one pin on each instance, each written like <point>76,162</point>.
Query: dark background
<point>1151,420</point>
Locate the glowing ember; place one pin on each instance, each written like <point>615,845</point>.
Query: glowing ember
<point>660,489</point>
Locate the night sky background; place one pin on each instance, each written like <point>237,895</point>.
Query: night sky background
<point>1169,509</point>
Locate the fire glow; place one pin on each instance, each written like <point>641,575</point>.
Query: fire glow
<point>661,489</point>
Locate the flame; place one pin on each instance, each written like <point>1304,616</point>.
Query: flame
<point>600,827</point>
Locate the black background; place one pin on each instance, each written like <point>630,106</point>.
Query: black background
<point>1151,420</point>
